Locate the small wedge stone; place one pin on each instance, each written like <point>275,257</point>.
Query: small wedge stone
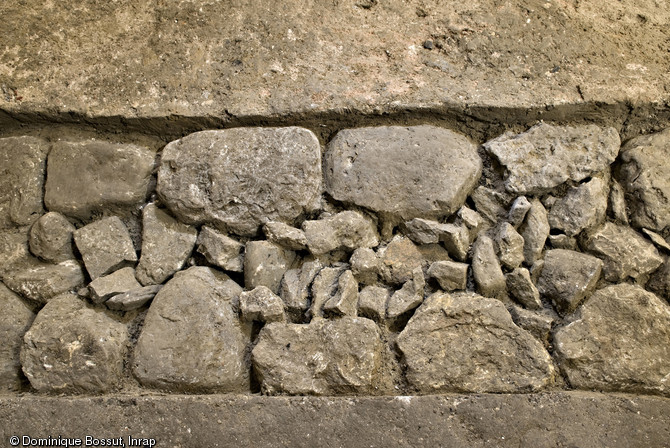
<point>449,274</point>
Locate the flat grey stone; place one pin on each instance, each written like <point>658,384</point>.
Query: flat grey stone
<point>372,302</point>
<point>449,274</point>
<point>105,246</point>
<point>346,230</point>
<point>90,177</point>
<point>118,282</point>
<point>285,235</point>
<point>546,156</point>
<point>166,245</point>
<point>134,299</point>
<point>427,171</point>
<point>521,287</point>
<point>583,208</point>
<point>261,305</point>
<point>238,179</point>
<point>295,287</point>
<point>509,246</point>
<point>486,269</point>
<point>72,348</point>
<point>15,319</point>
<point>265,264</point>
<point>221,250</point>
<point>51,238</point>
<point>534,230</point>
<point>408,297</point>
<point>39,281</point>
<point>345,300</point>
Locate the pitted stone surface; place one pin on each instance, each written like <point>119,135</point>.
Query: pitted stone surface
<point>221,250</point>
<point>426,172</point>
<point>51,238</point>
<point>15,319</point>
<point>41,281</point>
<point>346,230</point>
<point>86,178</point>
<point>105,246</point>
<point>118,282</point>
<point>265,264</point>
<point>583,207</point>
<point>545,156</point>
<point>238,179</point>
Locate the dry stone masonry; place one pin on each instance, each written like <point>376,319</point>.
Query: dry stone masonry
<point>385,261</point>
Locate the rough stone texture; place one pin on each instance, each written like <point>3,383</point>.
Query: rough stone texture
<point>237,179</point>
<point>166,244</point>
<point>118,282</point>
<point>583,207</point>
<point>134,299</point>
<point>545,156</point>
<point>285,235</point>
<point>486,269</point>
<point>408,297</point>
<point>563,241</point>
<point>424,231</point>
<point>372,302</point>
<point>345,300</point>
<point>467,343</point>
<point>456,239</point>
<point>534,231</point>
<point>87,178</point>
<point>659,282</point>
<point>192,339</point>
<point>568,277</point>
<point>51,238</point>
<point>15,319</point>
<point>220,249</point>
<point>657,239</point>
<point>509,246</point>
<point>327,357</point>
<point>430,186</point>
<point>536,323</point>
<point>643,173</point>
<point>105,246</point>
<point>346,230</point>
<point>22,170</point>
<point>489,203</point>
<point>521,287</point>
<point>625,253</point>
<point>518,210</point>
<point>472,220</point>
<point>265,264</point>
<point>324,286</point>
<point>449,274</point>
<point>365,265</point>
<point>401,257</point>
<point>295,287</point>
<point>261,305</point>
<point>604,350</point>
<point>72,348</point>
<point>617,203</point>
<point>40,281</point>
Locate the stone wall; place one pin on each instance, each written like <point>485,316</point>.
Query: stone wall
<point>388,261</point>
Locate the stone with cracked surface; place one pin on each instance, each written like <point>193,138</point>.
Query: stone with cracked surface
<point>51,238</point>
<point>261,305</point>
<point>39,281</point>
<point>285,235</point>
<point>490,203</point>
<point>521,287</point>
<point>324,287</point>
<point>15,320</point>
<point>118,282</point>
<point>408,297</point>
<point>583,208</point>
<point>345,300</point>
<point>220,249</point>
<point>295,287</point>
<point>105,246</point>
<point>347,230</point>
<point>509,246</point>
<point>372,302</point>
<point>538,323</point>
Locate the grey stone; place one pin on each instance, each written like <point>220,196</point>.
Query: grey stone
<point>134,299</point>
<point>192,339</point>
<point>74,348</point>
<point>545,156</point>
<point>365,265</point>
<point>509,246</point>
<point>399,259</point>
<point>617,203</point>
<point>51,238</point>
<point>583,208</point>
<point>463,342</point>
<point>456,239</point>
<point>14,249</point>
<point>40,281</point>
<point>568,277</point>
<point>261,305</point>
<point>105,246</point>
<point>285,235</point>
<point>424,231</point>
<point>643,174</point>
<point>489,203</point>
<point>295,287</point>
<point>118,282</point>
<point>518,210</point>
<point>472,220</point>
<point>22,173</point>
<point>327,357</point>
<point>91,177</point>
<point>486,269</point>
<point>426,171</point>
<point>449,274</point>
<point>408,297</point>
<point>345,300</point>
<point>625,252</point>
<point>659,282</point>
<point>563,241</point>
<point>166,245</point>
<point>536,270</point>
<point>534,231</point>
<point>620,342</point>
<point>521,287</point>
<point>238,179</point>
<point>221,250</point>
<point>372,302</point>
<point>657,239</point>
<point>346,230</point>
<point>537,323</point>
<point>324,287</point>
<point>15,320</point>
<point>265,264</point>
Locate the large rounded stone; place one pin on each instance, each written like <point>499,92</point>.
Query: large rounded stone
<point>238,179</point>
<point>409,172</point>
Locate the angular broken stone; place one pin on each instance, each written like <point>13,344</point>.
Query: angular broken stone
<point>449,274</point>
<point>365,265</point>
<point>568,277</point>
<point>220,249</point>
<point>617,203</point>
<point>326,357</point>
<point>51,238</point>
<point>463,342</point>
<point>537,323</point>
<point>643,174</point>
<point>625,252</point>
<point>192,339</point>
<point>399,259</point>
<point>118,282</point>
<point>486,269</point>
<point>472,220</point>
<point>659,282</point>
<point>583,208</point>
<point>238,179</point>
<point>345,300</point>
<point>73,348</point>
<point>295,287</point>
<point>265,264</point>
<point>133,299</point>
<point>563,241</point>
<point>40,281</point>
<point>346,230</point>
<point>408,297</point>
<point>105,246</point>
<point>372,302</point>
<point>456,239</point>
<point>285,235</point>
<point>15,320</point>
<point>166,245</point>
<point>90,177</point>
<point>324,287</point>
<point>424,231</point>
<point>518,210</point>
<point>261,305</point>
<point>489,203</point>
<point>521,287</point>
<point>534,230</point>
<point>432,185</point>
<point>657,239</point>
<point>620,342</point>
<point>545,156</point>
<point>22,173</point>
<point>509,246</point>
